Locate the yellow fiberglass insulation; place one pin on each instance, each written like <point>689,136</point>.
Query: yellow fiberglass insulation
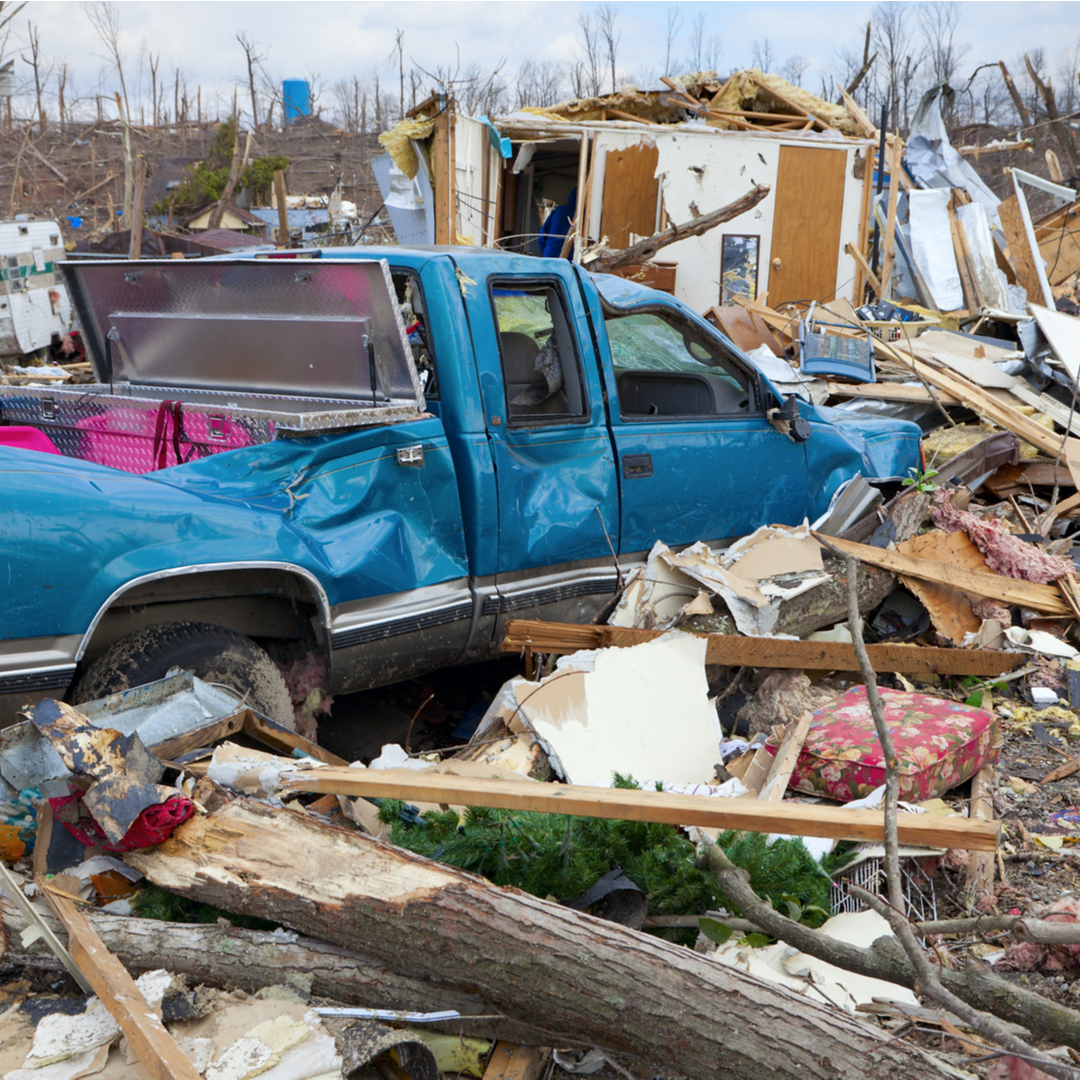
<point>398,142</point>
<point>946,442</point>
<point>742,94</point>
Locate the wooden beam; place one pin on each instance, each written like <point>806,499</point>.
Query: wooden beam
<point>786,756</point>
<point>798,109</point>
<point>979,400</point>
<point>737,651</point>
<point>747,815</point>
<point>12,887</point>
<point>855,111</point>
<point>888,392</point>
<point>864,267</point>
<point>895,168</point>
<point>145,1033</point>
<point>980,872</point>
<point>1008,591</point>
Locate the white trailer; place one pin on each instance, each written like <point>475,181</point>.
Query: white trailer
<point>35,308</point>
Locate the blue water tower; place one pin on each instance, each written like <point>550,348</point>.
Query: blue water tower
<point>296,96</point>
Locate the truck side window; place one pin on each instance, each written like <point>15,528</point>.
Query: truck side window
<point>664,367</point>
<point>414,315</point>
<point>541,369</point>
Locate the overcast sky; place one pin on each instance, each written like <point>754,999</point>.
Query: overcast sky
<point>342,39</point>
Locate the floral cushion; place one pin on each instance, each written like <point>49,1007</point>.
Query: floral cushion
<point>939,744</point>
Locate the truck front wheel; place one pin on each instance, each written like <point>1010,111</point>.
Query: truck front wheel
<point>214,653</point>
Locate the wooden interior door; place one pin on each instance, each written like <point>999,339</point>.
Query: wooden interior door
<point>630,193</point>
<point>806,224</point>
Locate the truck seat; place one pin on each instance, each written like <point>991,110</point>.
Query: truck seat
<point>27,438</point>
<point>519,353</point>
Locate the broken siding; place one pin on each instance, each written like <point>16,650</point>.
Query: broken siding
<point>476,200</point>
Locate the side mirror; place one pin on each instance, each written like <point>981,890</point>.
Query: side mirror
<point>790,421</point>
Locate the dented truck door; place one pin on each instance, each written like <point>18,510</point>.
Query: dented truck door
<point>695,449</point>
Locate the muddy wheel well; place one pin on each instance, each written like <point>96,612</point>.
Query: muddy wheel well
<point>277,608</point>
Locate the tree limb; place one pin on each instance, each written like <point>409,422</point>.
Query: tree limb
<point>601,261</point>
<point>975,984</point>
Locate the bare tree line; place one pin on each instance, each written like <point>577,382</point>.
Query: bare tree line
<point>905,49</point>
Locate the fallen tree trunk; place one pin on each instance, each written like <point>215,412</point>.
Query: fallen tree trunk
<point>569,976</point>
<point>606,261</point>
<point>231,957</point>
<point>822,606</point>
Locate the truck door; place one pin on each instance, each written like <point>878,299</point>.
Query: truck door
<point>697,458</point>
<point>554,465</point>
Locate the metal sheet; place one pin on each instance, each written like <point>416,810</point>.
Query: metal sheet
<point>158,711</point>
<point>299,327</point>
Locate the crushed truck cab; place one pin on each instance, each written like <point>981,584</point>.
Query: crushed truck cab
<point>270,451</point>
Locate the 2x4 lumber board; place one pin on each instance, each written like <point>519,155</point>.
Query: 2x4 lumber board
<point>888,392</point>
<point>1009,591</point>
<point>979,400</point>
<point>864,268</point>
<point>798,109</point>
<point>11,885</point>
<point>733,650</point>
<point>788,753</point>
<point>145,1033</point>
<point>746,815</point>
<point>895,169</point>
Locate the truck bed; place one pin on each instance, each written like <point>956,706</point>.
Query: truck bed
<point>140,429</point>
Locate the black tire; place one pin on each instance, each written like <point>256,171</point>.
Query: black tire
<point>214,653</point>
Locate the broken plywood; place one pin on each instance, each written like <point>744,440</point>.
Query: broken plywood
<point>949,607</point>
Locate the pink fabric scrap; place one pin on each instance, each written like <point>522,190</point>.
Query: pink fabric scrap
<point>1003,552</point>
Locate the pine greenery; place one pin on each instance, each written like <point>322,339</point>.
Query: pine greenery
<point>559,856</point>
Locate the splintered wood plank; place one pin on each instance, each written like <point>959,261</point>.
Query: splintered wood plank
<point>630,193</point>
<point>805,243</point>
<point>155,1047</point>
<point>949,608</point>
<point>795,819</point>
<point>979,400</point>
<point>980,875</point>
<point>10,885</point>
<point>510,1061</point>
<point>1020,255</point>
<point>737,651</point>
<point>1044,598</point>
<point>786,756</point>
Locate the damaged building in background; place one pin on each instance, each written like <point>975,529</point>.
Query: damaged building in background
<point>640,162</point>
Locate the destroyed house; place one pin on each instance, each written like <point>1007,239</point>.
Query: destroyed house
<point>635,177</point>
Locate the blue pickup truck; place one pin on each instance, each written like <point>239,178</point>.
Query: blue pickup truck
<point>375,457</point>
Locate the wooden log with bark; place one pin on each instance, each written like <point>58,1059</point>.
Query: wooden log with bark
<point>568,975</point>
<point>603,260</point>
<point>231,957</point>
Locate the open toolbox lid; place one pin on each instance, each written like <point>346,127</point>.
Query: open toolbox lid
<point>300,327</point>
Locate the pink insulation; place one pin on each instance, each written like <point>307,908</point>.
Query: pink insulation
<point>1003,552</point>
<point>303,678</point>
<point>991,609</point>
